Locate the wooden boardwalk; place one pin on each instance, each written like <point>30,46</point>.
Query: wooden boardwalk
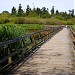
<point>55,57</point>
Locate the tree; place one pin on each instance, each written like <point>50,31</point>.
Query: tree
<point>44,10</point>
<point>5,12</point>
<point>20,10</point>
<point>72,13</point>
<point>38,11</point>
<point>45,13</point>
<point>28,9</point>
<point>13,11</point>
<point>52,11</point>
<point>32,14</point>
<point>57,12</point>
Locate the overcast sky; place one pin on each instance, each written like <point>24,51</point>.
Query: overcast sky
<point>74,6</point>
<point>61,5</point>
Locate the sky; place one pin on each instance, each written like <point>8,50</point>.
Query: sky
<point>74,6</point>
<point>61,5</point>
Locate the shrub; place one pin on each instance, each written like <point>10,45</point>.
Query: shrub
<point>4,20</point>
<point>69,22</point>
<point>1,20</point>
<point>23,20</point>
<point>19,20</point>
<point>54,22</point>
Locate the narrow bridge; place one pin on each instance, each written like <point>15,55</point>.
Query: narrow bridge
<point>51,55</point>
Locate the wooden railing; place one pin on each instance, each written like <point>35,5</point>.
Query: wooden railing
<point>13,51</point>
<point>73,35</point>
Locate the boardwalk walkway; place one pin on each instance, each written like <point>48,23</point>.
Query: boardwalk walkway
<point>53,58</point>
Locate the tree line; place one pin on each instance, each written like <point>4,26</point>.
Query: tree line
<point>40,12</point>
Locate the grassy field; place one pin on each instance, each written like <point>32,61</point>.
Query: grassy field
<point>8,31</point>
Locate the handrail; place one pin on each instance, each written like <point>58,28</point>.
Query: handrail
<point>73,35</point>
<point>13,51</point>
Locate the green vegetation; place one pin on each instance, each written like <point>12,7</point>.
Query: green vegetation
<point>73,26</point>
<point>35,20</point>
<point>37,16</point>
<point>8,31</point>
<point>20,22</point>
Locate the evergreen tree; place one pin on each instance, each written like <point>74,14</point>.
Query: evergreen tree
<point>28,9</point>
<point>52,11</point>
<point>13,11</point>
<point>20,10</point>
<point>57,12</point>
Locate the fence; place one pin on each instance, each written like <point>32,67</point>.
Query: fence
<point>13,51</point>
<point>73,36</point>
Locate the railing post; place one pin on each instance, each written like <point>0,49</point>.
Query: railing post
<point>31,40</point>
<point>23,43</point>
<point>40,36</point>
<point>34,36</point>
<point>9,52</point>
<point>23,46</point>
<point>43,36</point>
<point>47,34</point>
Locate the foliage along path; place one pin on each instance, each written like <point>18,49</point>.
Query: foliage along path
<point>55,57</point>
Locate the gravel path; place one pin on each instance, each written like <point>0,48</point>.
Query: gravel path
<point>53,58</point>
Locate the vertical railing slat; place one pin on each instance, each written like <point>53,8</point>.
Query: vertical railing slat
<point>9,52</point>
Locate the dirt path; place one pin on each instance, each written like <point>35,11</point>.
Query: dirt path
<point>53,58</point>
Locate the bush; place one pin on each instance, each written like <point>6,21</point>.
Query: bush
<point>23,20</point>
<point>54,22</point>
<point>4,20</point>
<point>35,20</point>
<point>1,20</point>
<point>19,20</point>
<point>69,22</point>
